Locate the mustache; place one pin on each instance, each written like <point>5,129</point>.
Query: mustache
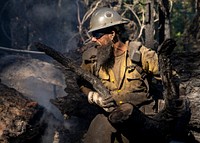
<point>88,45</point>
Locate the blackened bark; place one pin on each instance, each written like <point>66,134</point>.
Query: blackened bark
<point>149,29</point>
<point>161,25</point>
<point>68,63</point>
<point>164,21</point>
<point>19,117</point>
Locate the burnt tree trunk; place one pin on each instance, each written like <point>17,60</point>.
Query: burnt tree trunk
<point>192,32</point>
<point>68,63</point>
<point>164,21</point>
<point>149,29</point>
<point>19,117</point>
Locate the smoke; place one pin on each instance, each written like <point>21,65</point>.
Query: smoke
<point>39,81</point>
<point>54,23</point>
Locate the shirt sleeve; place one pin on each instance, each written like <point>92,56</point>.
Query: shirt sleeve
<point>149,61</point>
<point>89,60</point>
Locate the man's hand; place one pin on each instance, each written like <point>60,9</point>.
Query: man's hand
<point>122,113</point>
<point>107,102</point>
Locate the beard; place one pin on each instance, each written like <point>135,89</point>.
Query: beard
<point>105,57</point>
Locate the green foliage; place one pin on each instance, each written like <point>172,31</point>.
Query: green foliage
<point>181,14</point>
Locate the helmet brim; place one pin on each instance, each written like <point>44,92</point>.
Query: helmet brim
<point>110,25</point>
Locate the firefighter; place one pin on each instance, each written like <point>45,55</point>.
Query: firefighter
<point>123,67</point>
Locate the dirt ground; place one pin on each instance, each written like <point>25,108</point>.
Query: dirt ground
<point>187,65</point>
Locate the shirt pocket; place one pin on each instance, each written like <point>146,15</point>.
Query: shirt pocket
<point>132,74</point>
<point>133,81</point>
<point>106,80</point>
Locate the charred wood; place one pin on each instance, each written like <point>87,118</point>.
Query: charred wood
<point>19,117</point>
<point>75,105</point>
<point>68,63</point>
<point>189,72</point>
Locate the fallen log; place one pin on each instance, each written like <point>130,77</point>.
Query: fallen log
<point>19,117</point>
<point>41,81</point>
<point>68,63</point>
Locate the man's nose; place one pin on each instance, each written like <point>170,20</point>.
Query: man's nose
<point>94,39</point>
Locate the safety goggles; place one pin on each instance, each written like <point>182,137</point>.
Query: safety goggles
<point>97,35</point>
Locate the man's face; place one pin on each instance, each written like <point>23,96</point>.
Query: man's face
<point>102,37</point>
<point>105,51</point>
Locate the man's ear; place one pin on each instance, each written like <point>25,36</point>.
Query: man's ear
<point>112,35</point>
